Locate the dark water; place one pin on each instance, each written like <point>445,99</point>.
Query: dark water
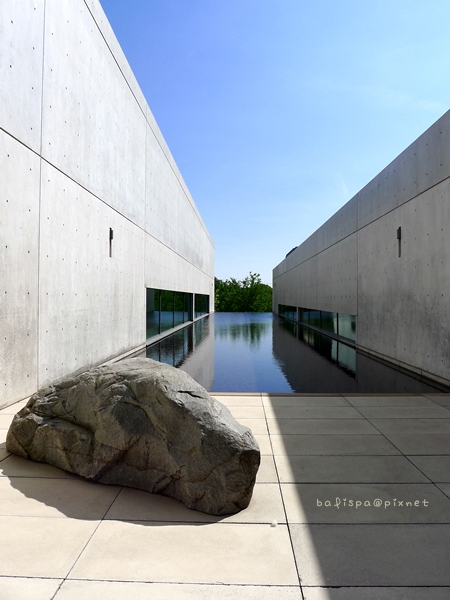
<point>261,352</point>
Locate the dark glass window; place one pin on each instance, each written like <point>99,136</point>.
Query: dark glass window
<point>304,315</point>
<point>166,310</point>
<point>201,305</point>
<point>314,318</point>
<point>336,323</point>
<point>347,326</point>
<point>178,312</point>
<point>328,321</point>
<point>153,312</point>
<point>288,312</point>
<point>187,308</point>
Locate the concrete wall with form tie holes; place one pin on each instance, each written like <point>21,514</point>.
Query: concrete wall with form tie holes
<point>399,290</point>
<point>80,155</point>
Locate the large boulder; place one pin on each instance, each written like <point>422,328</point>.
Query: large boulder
<point>142,424</point>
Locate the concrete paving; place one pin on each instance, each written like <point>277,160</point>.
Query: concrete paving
<point>352,502</point>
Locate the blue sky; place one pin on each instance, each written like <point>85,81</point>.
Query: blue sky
<point>277,112</point>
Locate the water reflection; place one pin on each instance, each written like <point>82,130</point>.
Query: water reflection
<point>191,349</point>
<point>242,327</point>
<point>260,352</point>
<point>337,353</point>
<point>314,363</point>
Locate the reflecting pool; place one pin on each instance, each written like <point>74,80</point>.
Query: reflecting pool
<point>261,352</point>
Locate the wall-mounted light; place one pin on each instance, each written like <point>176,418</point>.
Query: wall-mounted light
<point>399,238</point>
<point>111,236</point>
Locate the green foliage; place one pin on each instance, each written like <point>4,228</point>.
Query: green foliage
<point>248,295</point>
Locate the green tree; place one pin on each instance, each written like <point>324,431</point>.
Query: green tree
<point>248,295</point>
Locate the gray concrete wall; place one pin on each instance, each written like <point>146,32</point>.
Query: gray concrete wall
<point>80,153</point>
<point>351,263</point>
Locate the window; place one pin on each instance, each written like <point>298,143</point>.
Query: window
<point>167,309</point>
<point>288,312</point>
<point>340,324</point>
<point>201,305</point>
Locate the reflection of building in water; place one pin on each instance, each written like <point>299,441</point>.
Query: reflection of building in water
<point>311,362</point>
<point>315,363</point>
<point>191,349</point>
<point>340,354</point>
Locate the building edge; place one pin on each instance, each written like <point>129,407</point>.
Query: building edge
<point>384,258</point>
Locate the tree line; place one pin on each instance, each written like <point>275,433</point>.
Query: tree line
<point>247,295</point>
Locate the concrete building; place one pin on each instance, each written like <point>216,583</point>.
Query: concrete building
<point>377,273</point>
<point>101,242</point>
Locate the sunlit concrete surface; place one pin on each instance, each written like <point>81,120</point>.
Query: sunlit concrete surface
<point>352,502</point>
<point>81,158</point>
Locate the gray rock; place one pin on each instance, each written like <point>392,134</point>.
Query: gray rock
<point>142,424</point>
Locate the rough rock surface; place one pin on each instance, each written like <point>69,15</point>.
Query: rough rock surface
<point>142,424</point>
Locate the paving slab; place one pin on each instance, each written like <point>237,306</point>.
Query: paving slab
<point>445,487</point>
<point>3,451</point>
<point>12,409</point>
<point>421,443</point>
<point>267,472</point>
<point>42,547</point>
<point>347,469</point>
<point>443,400</point>
<point>391,401</point>
<point>213,553</point>
<point>404,412</point>
<point>312,412</point>
<point>111,590</point>
<point>246,412</point>
<point>265,446</point>
<point>256,425</point>
<point>39,497</point>
<point>314,401</point>
<point>436,468</point>
<point>365,503</point>
<point>412,425</point>
<point>372,555</point>
<point>265,506</point>
<point>332,445</point>
<point>239,400</point>
<point>16,466</point>
<point>376,593</point>
<point>24,588</point>
<point>5,421</point>
<point>322,426</point>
